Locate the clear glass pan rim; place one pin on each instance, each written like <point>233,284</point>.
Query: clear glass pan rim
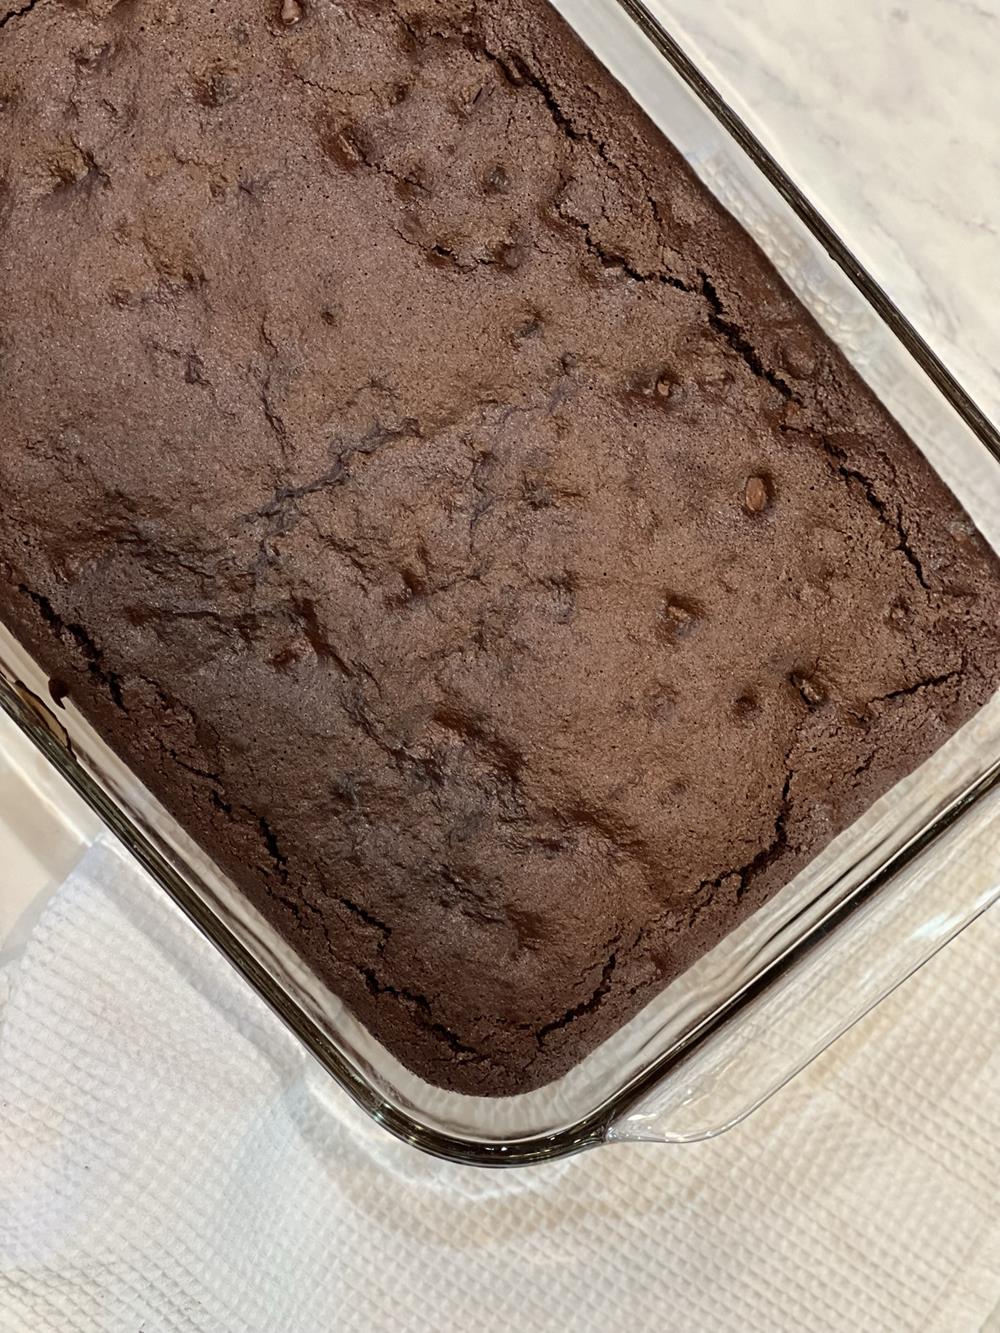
<point>593,1129</point>
<point>587,1132</point>
<point>873,292</point>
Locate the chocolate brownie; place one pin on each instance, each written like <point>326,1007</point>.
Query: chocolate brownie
<point>444,508</point>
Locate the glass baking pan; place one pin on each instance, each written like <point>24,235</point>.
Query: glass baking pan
<point>865,914</point>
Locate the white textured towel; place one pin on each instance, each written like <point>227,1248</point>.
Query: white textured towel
<point>171,1160</point>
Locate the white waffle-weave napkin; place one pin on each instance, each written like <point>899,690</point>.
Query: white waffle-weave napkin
<point>171,1160</point>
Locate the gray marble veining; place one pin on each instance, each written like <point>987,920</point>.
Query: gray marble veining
<point>887,114</point>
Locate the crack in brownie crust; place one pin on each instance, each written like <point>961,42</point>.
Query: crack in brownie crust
<point>445,509</point>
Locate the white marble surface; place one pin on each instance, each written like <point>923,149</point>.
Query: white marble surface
<point>887,114</point>
<point>44,826</point>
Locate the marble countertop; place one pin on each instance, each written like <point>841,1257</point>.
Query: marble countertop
<point>885,113</point>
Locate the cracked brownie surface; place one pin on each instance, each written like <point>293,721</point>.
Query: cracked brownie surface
<point>444,508</point>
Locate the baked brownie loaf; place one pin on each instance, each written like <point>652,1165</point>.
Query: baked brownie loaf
<point>444,508</point>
